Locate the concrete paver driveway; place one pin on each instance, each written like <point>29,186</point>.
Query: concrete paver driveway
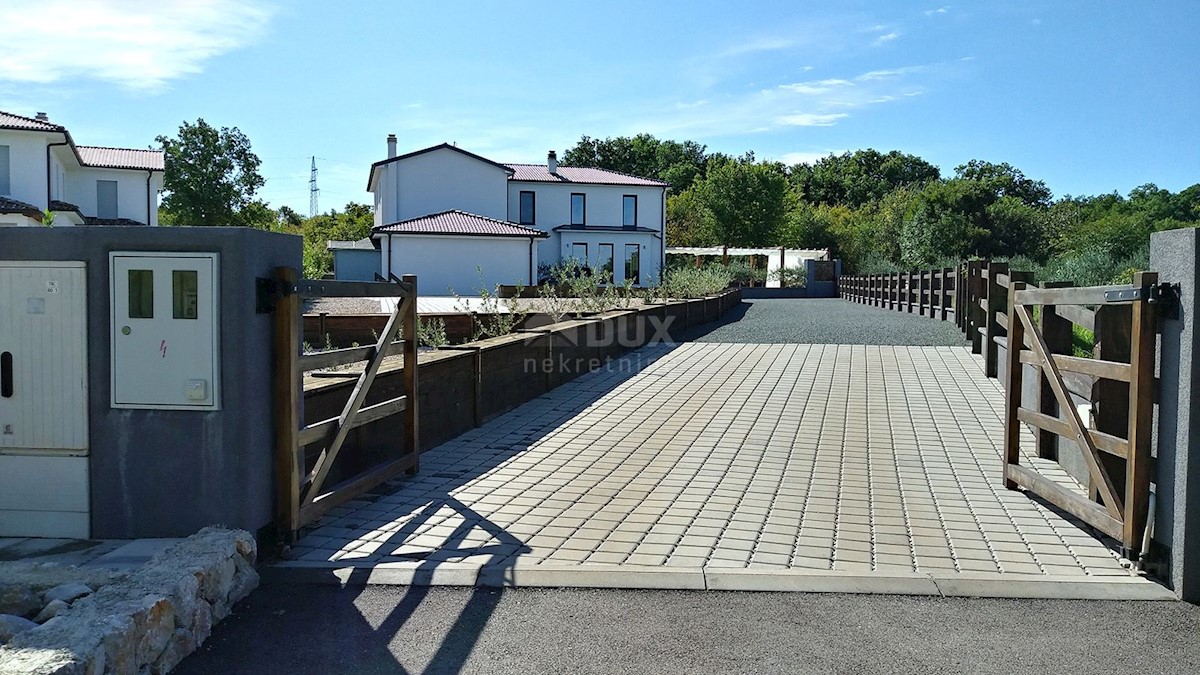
<point>730,466</point>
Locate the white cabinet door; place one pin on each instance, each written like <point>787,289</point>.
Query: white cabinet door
<point>164,331</point>
<point>43,356</point>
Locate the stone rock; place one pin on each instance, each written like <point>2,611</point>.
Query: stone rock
<point>51,610</point>
<point>68,592</point>
<point>12,626</point>
<point>181,644</point>
<point>245,580</point>
<point>19,600</point>
<point>203,622</point>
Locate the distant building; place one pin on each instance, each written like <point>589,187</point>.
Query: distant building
<point>42,169</point>
<point>355,260</point>
<point>459,221</point>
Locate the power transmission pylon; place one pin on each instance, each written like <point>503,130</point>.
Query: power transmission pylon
<point>313,192</point>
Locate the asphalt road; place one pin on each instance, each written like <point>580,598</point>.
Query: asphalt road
<point>826,321</point>
<point>390,629</point>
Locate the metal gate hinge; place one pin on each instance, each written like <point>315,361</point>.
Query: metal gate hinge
<point>268,293</point>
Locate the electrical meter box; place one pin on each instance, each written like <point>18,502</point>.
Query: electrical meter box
<point>165,330</point>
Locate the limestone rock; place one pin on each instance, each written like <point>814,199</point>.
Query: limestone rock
<point>19,600</point>
<point>51,610</point>
<point>182,643</point>
<point>12,626</point>
<point>67,592</point>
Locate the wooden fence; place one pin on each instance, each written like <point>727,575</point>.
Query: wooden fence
<point>992,304</point>
<point>301,492</point>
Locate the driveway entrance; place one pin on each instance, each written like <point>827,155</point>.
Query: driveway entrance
<point>730,466</point>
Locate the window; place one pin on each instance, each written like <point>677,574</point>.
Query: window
<point>579,252</point>
<point>106,199</point>
<point>527,208</point>
<point>606,262</point>
<point>578,209</point>
<point>5,181</point>
<point>141,294</point>
<point>184,294</point>
<point>629,211</point>
<point>632,260</point>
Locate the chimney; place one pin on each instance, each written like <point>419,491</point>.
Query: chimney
<point>552,161</point>
<point>391,145</point>
<point>42,117</point>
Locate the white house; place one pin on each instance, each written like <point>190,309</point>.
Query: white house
<point>42,169</point>
<point>459,221</point>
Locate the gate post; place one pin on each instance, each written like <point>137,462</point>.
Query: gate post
<point>1175,255</point>
<point>411,393</point>
<point>995,304</point>
<point>287,404</point>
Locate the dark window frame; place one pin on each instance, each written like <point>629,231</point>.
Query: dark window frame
<point>634,224</point>
<point>637,250</point>
<point>586,252</point>
<point>116,199</point>
<point>532,208</point>
<point>583,211</point>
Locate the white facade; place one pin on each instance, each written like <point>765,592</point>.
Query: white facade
<point>445,178</point>
<point>443,263</point>
<point>440,180</point>
<point>44,166</point>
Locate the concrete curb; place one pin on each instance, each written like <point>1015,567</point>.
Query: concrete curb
<point>967,585</point>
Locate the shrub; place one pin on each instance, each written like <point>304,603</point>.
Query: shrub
<point>690,282</point>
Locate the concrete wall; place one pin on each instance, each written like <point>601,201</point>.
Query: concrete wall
<point>446,264</point>
<point>1174,254</point>
<point>462,387</point>
<point>353,264</point>
<point>27,165</point>
<point>167,473</point>
<point>442,180</point>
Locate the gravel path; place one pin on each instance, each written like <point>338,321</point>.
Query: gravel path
<point>828,321</point>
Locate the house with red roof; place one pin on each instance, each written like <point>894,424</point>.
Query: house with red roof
<point>461,221</point>
<point>43,170</point>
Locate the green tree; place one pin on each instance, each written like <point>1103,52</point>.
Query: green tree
<point>689,222</point>
<point>748,200</point>
<point>211,177</point>
<point>678,163</point>
<point>351,224</point>
<point>1005,180</point>
<point>857,178</point>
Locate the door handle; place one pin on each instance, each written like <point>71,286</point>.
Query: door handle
<point>6,375</point>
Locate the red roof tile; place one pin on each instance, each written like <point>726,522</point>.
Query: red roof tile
<point>462,223</point>
<point>11,121</point>
<point>578,174</point>
<point>121,158</point>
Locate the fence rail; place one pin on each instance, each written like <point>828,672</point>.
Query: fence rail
<point>302,494</point>
<point>999,311</point>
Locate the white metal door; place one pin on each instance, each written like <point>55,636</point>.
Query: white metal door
<point>164,323</point>
<point>43,342</point>
<point>43,400</point>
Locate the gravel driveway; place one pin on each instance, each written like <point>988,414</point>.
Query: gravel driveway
<point>829,321</point>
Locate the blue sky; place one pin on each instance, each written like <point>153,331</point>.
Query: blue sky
<point>1088,96</point>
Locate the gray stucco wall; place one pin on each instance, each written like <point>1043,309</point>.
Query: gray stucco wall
<point>356,264</point>
<point>162,473</point>
<point>1174,255</point>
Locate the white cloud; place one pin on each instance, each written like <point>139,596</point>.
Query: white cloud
<point>886,38</point>
<point>811,103</point>
<point>939,10</point>
<point>810,119</point>
<point>768,44</point>
<point>136,44</point>
<point>818,86</point>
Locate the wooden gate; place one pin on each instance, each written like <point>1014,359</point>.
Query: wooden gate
<point>1118,464</point>
<point>302,495</point>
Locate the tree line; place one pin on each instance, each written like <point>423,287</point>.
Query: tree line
<point>877,211</point>
<point>888,211</point>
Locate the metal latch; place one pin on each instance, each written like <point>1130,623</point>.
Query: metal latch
<point>1165,295</point>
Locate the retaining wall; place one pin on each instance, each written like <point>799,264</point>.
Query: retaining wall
<point>462,387</point>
